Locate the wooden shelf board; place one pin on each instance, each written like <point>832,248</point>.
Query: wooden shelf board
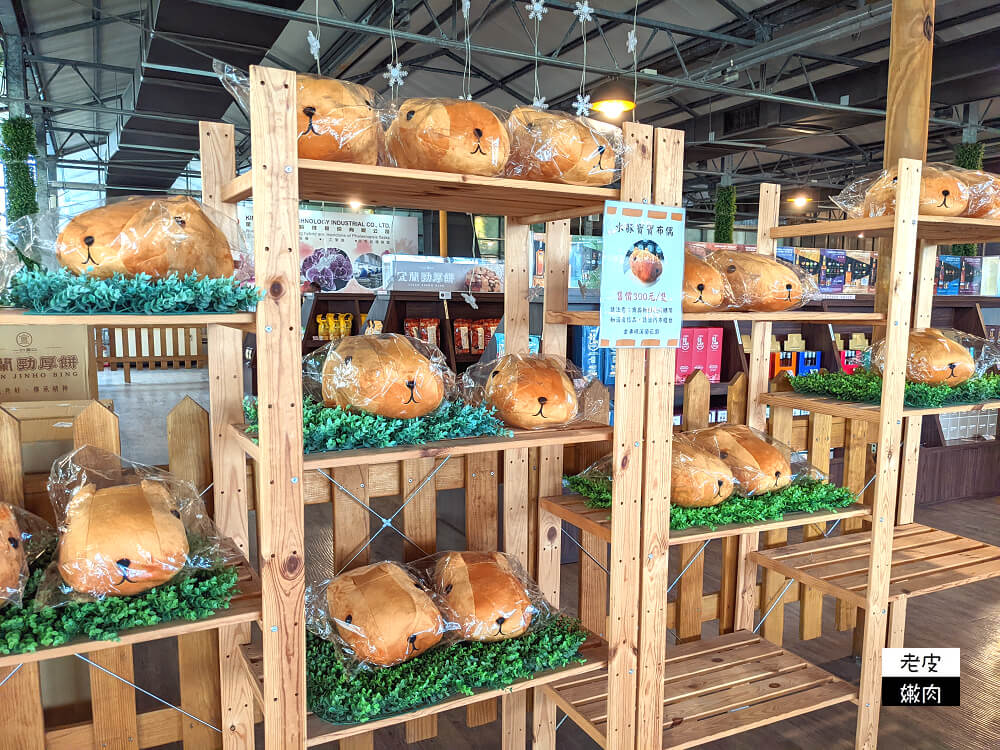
<point>714,688</point>
<point>592,317</point>
<point>436,191</point>
<point>869,412</point>
<point>573,509</point>
<point>933,229</point>
<point>924,560</point>
<point>586,432</point>
<point>25,318</point>
<point>245,607</point>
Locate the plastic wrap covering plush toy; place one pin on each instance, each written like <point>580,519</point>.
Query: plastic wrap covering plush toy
<point>698,479</point>
<point>388,374</point>
<point>337,121</point>
<point>932,358</point>
<point>758,464</point>
<point>121,540</point>
<point>448,135</point>
<point>761,283</point>
<point>703,285</point>
<point>11,555</point>
<point>555,147</point>
<point>942,193</point>
<point>383,615</point>
<point>483,595</point>
<point>531,392</point>
<point>156,236</point>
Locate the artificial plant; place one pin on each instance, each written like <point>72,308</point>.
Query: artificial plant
<point>968,156</point>
<point>725,212</point>
<point>18,136</point>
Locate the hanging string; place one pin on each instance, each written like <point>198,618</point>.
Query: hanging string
<point>632,47</point>
<point>395,73</point>
<point>313,40</point>
<point>537,9</point>
<point>467,67</point>
<point>583,13</point>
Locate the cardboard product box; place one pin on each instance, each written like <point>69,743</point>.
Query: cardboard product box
<point>831,271</point>
<point>46,363</point>
<point>858,272</point>
<point>683,362</point>
<point>949,274</point>
<point>713,362</point>
<point>808,361</point>
<point>783,362</point>
<point>808,259</point>
<point>848,360</point>
<point>585,349</point>
<point>609,361</point>
<point>991,276</point>
<point>972,276</point>
<point>699,350</point>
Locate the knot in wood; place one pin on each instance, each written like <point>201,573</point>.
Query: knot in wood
<point>276,289</point>
<point>552,534</point>
<point>291,565</point>
<point>625,461</point>
<point>928,27</point>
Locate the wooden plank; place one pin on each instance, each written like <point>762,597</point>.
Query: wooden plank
<point>158,727</point>
<point>11,316</point>
<point>746,583</point>
<point>279,502</point>
<point>856,453</point>
<point>697,401</point>
<point>811,603</point>
<point>594,582</point>
<point>736,399</point>
<point>689,593</point>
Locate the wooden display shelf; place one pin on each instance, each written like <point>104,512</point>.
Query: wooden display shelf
<point>593,317</point>
<point>245,607</point>
<point>924,560</point>
<point>869,412</point>
<point>597,521</point>
<point>712,689</point>
<point>532,202</point>
<point>586,432</point>
<point>594,651</point>
<point>21,317</point>
<point>937,230</point>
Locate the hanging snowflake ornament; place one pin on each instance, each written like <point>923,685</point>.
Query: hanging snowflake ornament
<point>539,103</point>
<point>536,9</point>
<point>584,12</point>
<point>582,105</point>
<point>395,73</point>
<point>313,43</point>
<point>631,41</point>
<point>466,5</point>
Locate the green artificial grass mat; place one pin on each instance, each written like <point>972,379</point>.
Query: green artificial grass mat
<point>61,292</point>
<point>805,496</point>
<point>188,596</point>
<point>343,696</point>
<point>866,387</point>
<point>334,429</point>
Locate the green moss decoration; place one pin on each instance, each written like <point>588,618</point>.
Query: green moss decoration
<point>866,387</point>
<point>805,496</point>
<point>61,292</point>
<point>185,597</point>
<point>334,429</point>
<point>597,490</point>
<point>18,136</point>
<point>968,156</point>
<point>725,212</point>
<point>458,669</point>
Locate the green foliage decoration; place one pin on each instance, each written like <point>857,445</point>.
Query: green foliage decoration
<point>334,429</point>
<point>62,292</point>
<point>342,697</point>
<point>597,490</point>
<point>188,596</point>
<point>725,212</point>
<point>968,156</point>
<point>866,387</point>
<point>18,137</point>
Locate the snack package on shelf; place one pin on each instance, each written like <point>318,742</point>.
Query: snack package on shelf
<point>551,146</point>
<point>945,190</point>
<point>535,391</point>
<point>336,120</point>
<point>24,537</point>
<point>427,330</point>
<point>448,135</point>
<point>942,357</point>
<point>762,283</point>
<point>136,235</point>
<point>124,528</point>
<point>704,285</point>
<point>380,614</point>
<point>387,374</point>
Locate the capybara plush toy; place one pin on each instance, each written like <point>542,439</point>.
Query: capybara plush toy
<point>698,479</point>
<point>942,193</point>
<point>448,135</point>
<point>12,567</point>
<point>337,121</point>
<point>156,236</point>
<point>703,285</point>
<point>382,374</point>
<point>121,540</point>
<point>383,614</point>
<point>555,147</point>
<point>531,391</point>
<point>757,282</point>
<point>482,594</point>
<point>758,465</point>
<point>932,358</point>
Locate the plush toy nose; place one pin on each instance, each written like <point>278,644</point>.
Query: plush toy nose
<point>411,384</point>
<point>788,287</point>
<point>88,240</point>
<point>542,400</point>
<point>722,482</point>
<point>14,542</point>
<point>478,132</point>
<point>501,620</point>
<point>309,111</point>
<point>700,287</point>
<point>951,366</point>
<point>124,563</point>
<point>777,475</point>
<point>601,149</point>
<point>945,193</point>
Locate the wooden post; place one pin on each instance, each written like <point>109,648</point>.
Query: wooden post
<point>443,233</point>
<point>279,501</point>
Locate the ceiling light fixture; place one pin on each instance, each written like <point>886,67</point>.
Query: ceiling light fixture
<point>799,201</point>
<point>613,99</point>
<point>355,204</point>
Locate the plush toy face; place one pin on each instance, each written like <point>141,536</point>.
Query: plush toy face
<point>935,359</point>
<point>382,375</point>
<point>444,135</point>
<point>531,392</point>
<point>483,595</point>
<point>553,147</point>
<point>757,282</point>
<point>697,478</point>
<point>941,194</point>
<point>11,555</point>
<point>646,261</point>
<point>383,615</point>
<point>156,236</point>
<point>121,540</point>
<point>336,121</point>
<point>757,465</point>
<point>703,285</point>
